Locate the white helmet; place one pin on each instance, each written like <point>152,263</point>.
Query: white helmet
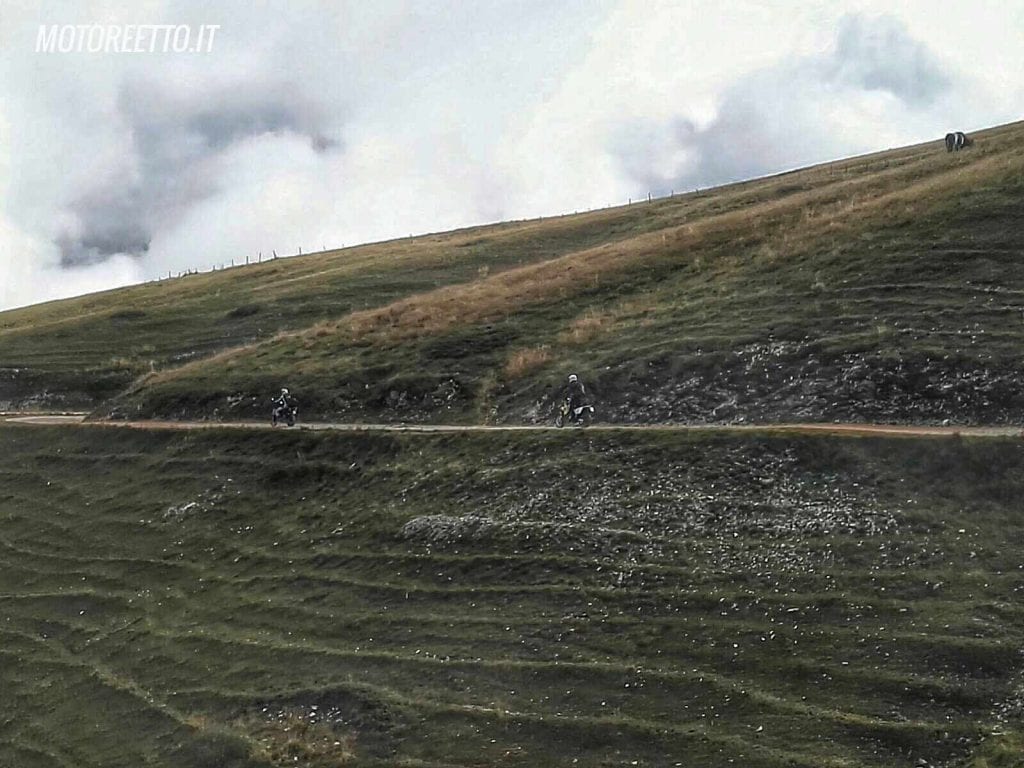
<point>573,378</point>
<point>284,390</point>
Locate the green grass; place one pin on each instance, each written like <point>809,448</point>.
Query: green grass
<point>894,281</point>
<point>243,598</point>
<point>82,350</point>
<point>906,261</point>
<point>249,598</point>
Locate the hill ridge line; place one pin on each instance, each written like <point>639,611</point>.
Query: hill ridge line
<point>828,206</point>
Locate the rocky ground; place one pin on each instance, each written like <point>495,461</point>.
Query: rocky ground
<point>24,389</point>
<point>649,514</point>
<point>779,382</point>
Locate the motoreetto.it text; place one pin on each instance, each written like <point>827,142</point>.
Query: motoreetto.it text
<point>125,38</point>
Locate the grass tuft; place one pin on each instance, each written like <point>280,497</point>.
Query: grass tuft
<point>525,361</point>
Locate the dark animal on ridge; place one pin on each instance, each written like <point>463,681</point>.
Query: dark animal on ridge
<point>957,141</point>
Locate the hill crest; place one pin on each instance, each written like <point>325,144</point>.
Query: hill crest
<point>755,300</point>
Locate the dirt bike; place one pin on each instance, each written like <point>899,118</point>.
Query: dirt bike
<point>581,414</point>
<point>285,413</point>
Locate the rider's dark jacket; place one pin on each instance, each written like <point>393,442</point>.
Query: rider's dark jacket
<point>282,402</point>
<point>574,392</point>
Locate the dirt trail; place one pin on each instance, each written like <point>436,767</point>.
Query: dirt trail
<point>887,430</point>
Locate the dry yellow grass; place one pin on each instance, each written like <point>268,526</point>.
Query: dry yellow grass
<point>834,202</point>
<point>592,324</point>
<point>524,361</point>
<point>585,327</point>
<point>799,218</point>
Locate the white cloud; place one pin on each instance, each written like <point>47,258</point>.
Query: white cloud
<point>676,96</point>
<point>31,271</point>
<point>326,123</point>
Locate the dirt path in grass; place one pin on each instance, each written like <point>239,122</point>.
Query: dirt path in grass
<point>886,430</point>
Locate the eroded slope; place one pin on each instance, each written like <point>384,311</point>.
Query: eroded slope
<point>888,288</point>
<point>242,598</point>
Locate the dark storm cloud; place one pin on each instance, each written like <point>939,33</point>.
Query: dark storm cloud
<point>166,124</point>
<point>879,55</point>
<point>111,220</point>
<point>776,118</point>
<point>172,139</point>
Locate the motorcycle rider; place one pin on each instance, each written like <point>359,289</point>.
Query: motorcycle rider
<point>283,403</point>
<point>573,393</point>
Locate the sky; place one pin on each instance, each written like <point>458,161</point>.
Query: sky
<point>311,125</point>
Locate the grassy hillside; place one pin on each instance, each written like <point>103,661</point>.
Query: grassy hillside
<point>885,287</point>
<point>81,351</point>
<point>232,598</point>
<point>235,598</point>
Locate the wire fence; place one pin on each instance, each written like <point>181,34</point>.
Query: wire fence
<point>260,257</point>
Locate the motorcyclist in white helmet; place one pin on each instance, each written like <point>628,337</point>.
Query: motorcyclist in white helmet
<point>282,404</point>
<point>574,393</point>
